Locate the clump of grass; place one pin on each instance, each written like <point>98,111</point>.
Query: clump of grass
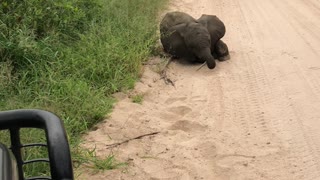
<point>68,57</point>
<point>90,158</point>
<point>138,98</point>
<point>107,163</point>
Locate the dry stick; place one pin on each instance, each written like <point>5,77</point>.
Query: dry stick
<point>163,74</point>
<point>163,71</point>
<point>126,141</point>
<point>201,66</point>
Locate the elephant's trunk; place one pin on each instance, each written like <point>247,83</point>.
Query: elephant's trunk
<point>206,55</point>
<point>211,63</point>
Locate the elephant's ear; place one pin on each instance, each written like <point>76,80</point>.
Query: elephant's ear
<point>204,23</point>
<point>180,28</point>
<point>185,30</point>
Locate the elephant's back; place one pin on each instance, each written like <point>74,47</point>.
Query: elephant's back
<point>215,26</point>
<point>174,18</point>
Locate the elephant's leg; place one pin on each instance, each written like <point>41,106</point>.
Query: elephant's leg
<point>221,51</point>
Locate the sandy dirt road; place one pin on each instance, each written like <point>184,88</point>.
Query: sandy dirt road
<point>254,117</point>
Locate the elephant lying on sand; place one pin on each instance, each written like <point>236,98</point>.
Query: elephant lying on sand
<point>195,40</point>
<point>182,36</point>
<point>217,30</point>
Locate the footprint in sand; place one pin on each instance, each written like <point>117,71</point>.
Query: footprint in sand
<point>180,110</point>
<point>163,169</point>
<point>199,99</point>
<point>174,113</point>
<point>173,100</point>
<point>187,126</point>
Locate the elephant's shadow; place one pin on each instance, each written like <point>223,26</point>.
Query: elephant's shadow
<point>184,61</point>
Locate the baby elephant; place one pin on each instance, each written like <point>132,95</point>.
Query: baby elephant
<point>217,30</point>
<point>182,36</point>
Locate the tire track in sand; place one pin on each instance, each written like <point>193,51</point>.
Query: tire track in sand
<point>301,139</point>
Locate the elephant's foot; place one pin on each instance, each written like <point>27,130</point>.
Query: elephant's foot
<point>224,58</point>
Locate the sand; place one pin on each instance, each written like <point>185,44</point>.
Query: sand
<point>253,117</point>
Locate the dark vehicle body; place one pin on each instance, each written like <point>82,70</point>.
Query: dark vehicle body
<point>11,160</point>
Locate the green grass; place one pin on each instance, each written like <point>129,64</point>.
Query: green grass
<point>137,98</point>
<point>97,163</point>
<point>68,57</point>
<point>107,163</point>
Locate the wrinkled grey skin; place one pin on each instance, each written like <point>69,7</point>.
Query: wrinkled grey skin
<point>169,20</point>
<point>174,18</point>
<point>183,37</point>
<point>217,30</point>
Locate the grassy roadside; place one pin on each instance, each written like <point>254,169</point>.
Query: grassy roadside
<point>68,57</point>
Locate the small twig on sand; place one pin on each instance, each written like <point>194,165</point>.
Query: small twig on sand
<point>126,141</point>
<point>163,74</point>
<point>201,66</point>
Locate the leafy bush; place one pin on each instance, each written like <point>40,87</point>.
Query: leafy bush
<point>31,29</point>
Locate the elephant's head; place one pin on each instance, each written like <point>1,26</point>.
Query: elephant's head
<point>197,40</point>
<point>174,18</point>
<point>170,40</point>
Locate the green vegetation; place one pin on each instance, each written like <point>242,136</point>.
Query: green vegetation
<point>137,98</point>
<point>96,163</point>
<point>69,56</point>
<point>106,163</point>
